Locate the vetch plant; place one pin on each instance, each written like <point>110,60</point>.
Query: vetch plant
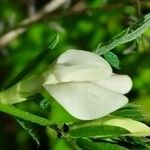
<point>84,84</point>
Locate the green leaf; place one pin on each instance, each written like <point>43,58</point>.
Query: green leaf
<point>129,112</point>
<point>54,42</point>
<point>112,59</point>
<point>139,143</point>
<point>110,146</point>
<point>27,127</point>
<point>87,144</point>
<point>98,131</point>
<point>130,34</point>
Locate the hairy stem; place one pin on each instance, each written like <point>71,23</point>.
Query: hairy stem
<point>16,112</point>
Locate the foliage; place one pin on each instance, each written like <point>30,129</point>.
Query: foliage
<point>82,25</point>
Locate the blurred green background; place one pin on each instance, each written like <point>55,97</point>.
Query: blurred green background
<point>82,24</point>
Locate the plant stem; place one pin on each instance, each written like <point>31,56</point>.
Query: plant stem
<point>12,110</point>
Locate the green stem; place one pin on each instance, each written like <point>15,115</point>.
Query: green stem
<point>12,110</point>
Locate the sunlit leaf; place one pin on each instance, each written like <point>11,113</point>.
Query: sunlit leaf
<point>129,112</point>
<point>130,34</point>
<point>112,59</point>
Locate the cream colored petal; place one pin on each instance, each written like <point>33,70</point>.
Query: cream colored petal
<point>79,73</point>
<point>86,101</point>
<point>117,83</point>
<point>135,127</point>
<point>80,57</point>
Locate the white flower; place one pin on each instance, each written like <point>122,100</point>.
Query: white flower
<point>83,83</point>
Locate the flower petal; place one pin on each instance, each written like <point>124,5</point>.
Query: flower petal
<point>86,101</point>
<point>80,73</point>
<point>80,57</point>
<point>135,127</point>
<point>117,83</point>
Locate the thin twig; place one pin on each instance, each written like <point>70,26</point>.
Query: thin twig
<point>139,8</point>
<point>21,28</point>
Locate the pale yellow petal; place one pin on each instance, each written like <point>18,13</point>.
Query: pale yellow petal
<point>135,127</point>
